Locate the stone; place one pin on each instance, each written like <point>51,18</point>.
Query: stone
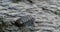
<point>25,21</point>
<point>47,31</point>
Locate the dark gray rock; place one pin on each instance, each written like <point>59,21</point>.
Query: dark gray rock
<point>46,30</point>
<point>24,21</point>
<point>16,1</point>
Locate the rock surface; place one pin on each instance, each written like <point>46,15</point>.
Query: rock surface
<point>45,12</point>
<point>24,21</point>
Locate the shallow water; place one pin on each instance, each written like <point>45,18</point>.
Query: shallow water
<point>43,12</point>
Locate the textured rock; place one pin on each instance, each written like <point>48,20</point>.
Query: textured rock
<point>25,20</point>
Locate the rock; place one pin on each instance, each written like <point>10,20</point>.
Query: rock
<point>25,21</point>
<point>16,1</point>
<point>47,30</point>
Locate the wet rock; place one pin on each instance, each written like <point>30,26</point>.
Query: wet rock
<point>25,21</point>
<point>47,31</point>
<point>16,1</point>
